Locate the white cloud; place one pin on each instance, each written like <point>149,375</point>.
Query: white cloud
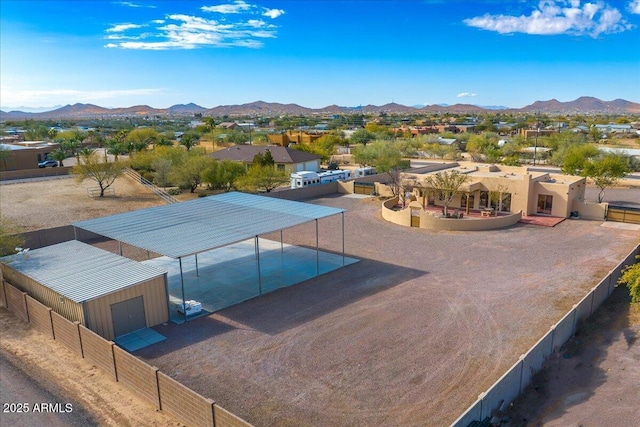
<point>131,4</point>
<point>66,96</point>
<point>634,6</point>
<point>466,95</point>
<point>180,31</point>
<point>273,13</point>
<point>122,27</point>
<point>237,7</point>
<point>552,17</point>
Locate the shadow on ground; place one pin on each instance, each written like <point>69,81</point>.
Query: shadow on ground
<point>571,376</point>
<point>289,307</point>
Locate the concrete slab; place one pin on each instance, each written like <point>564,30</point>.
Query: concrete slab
<point>620,225</point>
<point>227,276</point>
<point>139,339</point>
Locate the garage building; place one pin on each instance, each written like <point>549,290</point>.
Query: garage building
<point>107,293</point>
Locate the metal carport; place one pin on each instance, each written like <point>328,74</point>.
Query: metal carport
<point>186,229</point>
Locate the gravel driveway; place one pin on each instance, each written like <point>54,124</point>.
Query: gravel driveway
<point>408,336</point>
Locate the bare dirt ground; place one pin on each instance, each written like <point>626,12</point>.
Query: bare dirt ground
<point>56,202</point>
<point>47,361</point>
<point>408,336</point>
<point>593,380</point>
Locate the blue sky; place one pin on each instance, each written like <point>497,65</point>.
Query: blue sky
<point>317,53</point>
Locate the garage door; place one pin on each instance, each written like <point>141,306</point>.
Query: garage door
<point>128,316</point>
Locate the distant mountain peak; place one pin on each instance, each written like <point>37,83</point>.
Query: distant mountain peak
<point>584,104</point>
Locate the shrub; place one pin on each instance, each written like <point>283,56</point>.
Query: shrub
<point>631,278</point>
<point>174,191</point>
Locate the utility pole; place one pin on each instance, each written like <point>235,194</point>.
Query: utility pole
<point>535,147</point>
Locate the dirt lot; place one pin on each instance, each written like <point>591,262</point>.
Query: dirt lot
<point>56,202</point>
<point>408,336</point>
<point>414,332</point>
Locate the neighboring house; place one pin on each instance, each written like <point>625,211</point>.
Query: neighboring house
<point>286,159</point>
<point>27,155</point>
<point>532,133</point>
<point>521,189</point>
<point>228,125</point>
<point>451,142</point>
<point>294,137</point>
<point>613,128</point>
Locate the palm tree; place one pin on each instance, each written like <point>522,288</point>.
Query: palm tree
<point>211,124</point>
<point>189,140</point>
<point>59,155</point>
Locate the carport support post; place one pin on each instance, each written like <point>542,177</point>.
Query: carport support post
<point>184,303</point>
<point>197,271</point>
<point>258,258</point>
<point>317,252</point>
<point>343,239</point>
<point>120,247</point>
<point>281,242</point>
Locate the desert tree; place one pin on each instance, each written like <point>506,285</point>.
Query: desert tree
<point>161,171</point>
<point>631,278</point>
<point>188,173</point>
<point>606,171</point>
<point>223,175</point>
<point>262,178</point>
<point>93,168</point>
<point>446,184</point>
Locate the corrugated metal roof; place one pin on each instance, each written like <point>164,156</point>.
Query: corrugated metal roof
<point>187,228</point>
<point>80,272</point>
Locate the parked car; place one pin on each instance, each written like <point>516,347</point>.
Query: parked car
<point>48,164</point>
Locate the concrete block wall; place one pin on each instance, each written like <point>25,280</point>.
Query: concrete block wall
<point>68,333</point>
<point>224,418</point>
<point>16,301</point>
<point>184,403</point>
<point>3,296</point>
<point>40,316</point>
<point>98,351</point>
<point>502,392</point>
<point>163,392</point>
<point>137,375</point>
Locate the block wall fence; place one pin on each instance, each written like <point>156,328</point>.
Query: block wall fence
<point>515,380</point>
<point>159,390</point>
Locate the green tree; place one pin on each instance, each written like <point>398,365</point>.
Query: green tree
<point>104,173</point>
<point>189,140</point>
<point>594,134</point>
<point>161,171</point>
<point>140,138</point>
<point>447,184</point>
<point>631,278</point>
<point>361,136</point>
<point>386,157</point>
<point>58,155</point>
<point>262,178</point>
<point>188,173</point>
<point>223,175</point>
<point>606,171</point>
<point>9,238</point>
<point>576,156</point>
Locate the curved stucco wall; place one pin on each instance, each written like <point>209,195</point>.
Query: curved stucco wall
<point>430,222</point>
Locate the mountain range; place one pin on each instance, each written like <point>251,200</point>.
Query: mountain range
<point>582,105</point>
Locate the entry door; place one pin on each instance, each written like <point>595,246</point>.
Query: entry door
<point>544,204</point>
<point>128,316</point>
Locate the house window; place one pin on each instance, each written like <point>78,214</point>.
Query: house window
<point>545,202</point>
<point>506,202</point>
<point>484,199</point>
<point>280,166</point>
